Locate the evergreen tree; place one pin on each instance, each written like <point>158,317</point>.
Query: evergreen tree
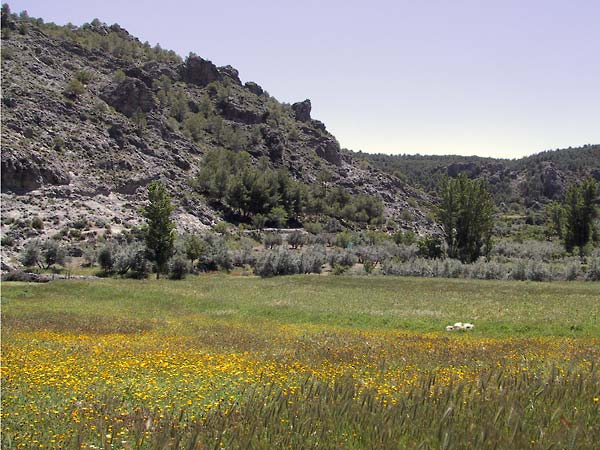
<point>465,213</point>
<point>580,213</point>
<point>160,231</point>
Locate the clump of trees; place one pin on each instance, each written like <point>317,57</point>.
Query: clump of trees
<point>269,196</point>
<point>44,254</point>
<point>112,41</point>
<point>229,178</point>
<point>573,221</point>
<point>466,215</point>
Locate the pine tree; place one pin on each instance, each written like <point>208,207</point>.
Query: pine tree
<point>160,231</point>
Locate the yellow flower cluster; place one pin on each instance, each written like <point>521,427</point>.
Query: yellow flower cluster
<point>54,383</point>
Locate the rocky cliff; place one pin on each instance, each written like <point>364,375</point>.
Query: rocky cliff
<point>90,115</point>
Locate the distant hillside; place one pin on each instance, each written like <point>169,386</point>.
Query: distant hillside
<point>537,178</point>
<point>90,115</point>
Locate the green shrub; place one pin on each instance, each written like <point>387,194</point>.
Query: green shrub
<point>339,269</point>
<point>593,269</point>
<point>53,253</point>
<point>277,262</point>
<point>369,266</point>
<point>344,258</point>
<point>83,76</point>
<point>37,223</point>
<point>221,228</point>
<point>572,270</point>
<point>271,240</point>
<point>119,76</point>
<point>259,221</point>
<point>313,227</point>
<point>74,89</point>
<point>7,241</point>
<point>216,256</point>
<point>106,258</point>
<point>179,267</point>
<point>430,247</point>
<point>312,260</point>
<point>31,255</point>
<point>278,217</point>
<point>58,143</point>
<point>296,239</point>
<point>131,260</point>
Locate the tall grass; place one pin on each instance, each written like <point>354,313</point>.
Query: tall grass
<point>499,411</point>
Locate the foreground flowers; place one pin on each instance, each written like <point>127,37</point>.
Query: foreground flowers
<point>108,390</point>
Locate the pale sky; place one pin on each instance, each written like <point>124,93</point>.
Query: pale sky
<point>492,78</point>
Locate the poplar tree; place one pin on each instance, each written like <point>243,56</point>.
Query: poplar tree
<point>466,215</point>
<point>580,213</point>
<point>160,231</point>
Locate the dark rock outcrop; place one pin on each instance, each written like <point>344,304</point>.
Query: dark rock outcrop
<point>129,96</point>
<point>471,170</point>
<point>553,182</point>
<point>302,110</point>
<point>329,150</point>
<point>199,71</point>
<point>230,72</point>
<point>275,142</point>
<point>157,70</point>
<point>235,109</point>
<point>140,74</point>
<point>116,132</point>
<point>21,175</point>
<point>254,88</point>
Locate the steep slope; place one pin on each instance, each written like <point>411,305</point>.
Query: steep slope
<point>90,115</point>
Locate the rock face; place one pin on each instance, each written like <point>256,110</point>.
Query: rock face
<point>275,142</point>
<point>238,110</point>
<point>199,71</point>
<point>21,175</point>
<point>129,96</point>
<point>329,150</point>
<point>471,170</point>
<point>254,88</point>
<point>140,74</point>
<point>231,73</point>
<point>553,182</point>
<point>66,160</point>
<point>302,110</point>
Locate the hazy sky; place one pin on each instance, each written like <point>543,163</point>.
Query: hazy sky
<point>498,78</point>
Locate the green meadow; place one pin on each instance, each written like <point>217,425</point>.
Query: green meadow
<point>320,362</point>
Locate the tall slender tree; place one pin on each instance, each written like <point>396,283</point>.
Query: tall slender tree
<point>580,212</point>
<point>466,214</point>
<point>160,231</point>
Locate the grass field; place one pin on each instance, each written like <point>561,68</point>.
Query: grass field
<point>220,361</point>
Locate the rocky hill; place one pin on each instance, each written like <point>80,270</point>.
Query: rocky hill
<point>518,183</point>
<point>90,115</point>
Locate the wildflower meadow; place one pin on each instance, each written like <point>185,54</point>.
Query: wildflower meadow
<point>240,362</point>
